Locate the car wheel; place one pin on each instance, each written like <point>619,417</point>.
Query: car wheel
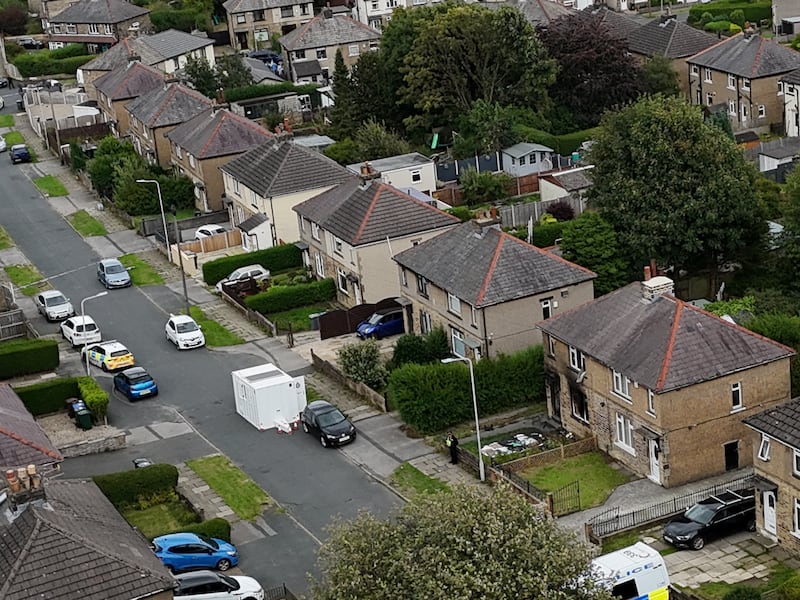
<point>751,525</point>
<point>223,565</point>
<point>305,427</point>
<point>323,441</point>
<point>104,366</point>
<point>63,335</point>
<point>698,542</point>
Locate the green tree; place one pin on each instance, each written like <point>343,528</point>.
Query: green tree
<point>232,72</point>
<point>591,242</point>
<point>484,187</point>
<point>363,362</point>
<point>134,198</point>
<point>737,16</point>
<point>345,152</point>
<point>345,113</point>
<point>784,329</point>
<point>455,544</point>
<point>201,76</point>
<point>376,141</point>
<point>487,127</point>
<point>674,187</point>
<point>660,77</point>
<point>102,168</point>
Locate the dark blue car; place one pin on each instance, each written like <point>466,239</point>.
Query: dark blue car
<point>19,153</point>
<point>135,383</point>
<point>187,551</point>
<point>382,323</point>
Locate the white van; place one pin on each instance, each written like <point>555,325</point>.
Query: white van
<point>636,572</point>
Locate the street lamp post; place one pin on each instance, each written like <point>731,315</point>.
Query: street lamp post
<point>174,212</point>
<point>85,350</point>
<point>163,215</point>
<point>474,406</point>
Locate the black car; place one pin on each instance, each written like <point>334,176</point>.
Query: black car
<point>266,56</point>
<point>715,516</point>
<point>30,43</point>
<point>324,420</point>
<point>19,153</point>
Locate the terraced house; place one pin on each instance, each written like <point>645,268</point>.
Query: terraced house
<point>97,23</point>
<point>252,23</point>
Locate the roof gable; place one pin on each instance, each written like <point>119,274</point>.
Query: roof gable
<point>132,81</point>
<point>749,56</point>
<point>22,440</point>
<point>670,38</point>
<point>169,105</point>
<point>781,423</point>
<point>99,11</point>
<point>221,133</point>
<point>323,31</point>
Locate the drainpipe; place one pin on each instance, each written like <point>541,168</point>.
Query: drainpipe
<point>486,341</point>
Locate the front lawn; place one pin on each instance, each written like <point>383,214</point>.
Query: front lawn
<point>86,224</point>
<point>14,137</point>
<point>6,120</point>
<point>238,491</point>
<point>23,276</point>
<point>142,273</point>
<point>5,240</point>
<point>298,318</point>
<point>50,185</point>
<point>597,478</point>
<point>412,481</point>
<point>215,334</point>
<point>166,517</point>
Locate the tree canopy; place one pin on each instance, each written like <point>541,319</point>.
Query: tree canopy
<point>455,544</point>
<point>229,72</point>
<point>674,187</point>
<point>591,242</point>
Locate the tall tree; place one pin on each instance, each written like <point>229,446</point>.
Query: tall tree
<point>455,544</point>
<point>344,114</point>
<point>376,141</point>
<point>595,70</point>
<point>202,76</point>
<point>660,77</point>
<point>232,72</point>
<point>591,242</point>
<point>487,127</point>
<point>674,187</point>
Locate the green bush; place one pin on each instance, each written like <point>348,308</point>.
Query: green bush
<point>68,51</point>
<point>788,590</point>
<point>216,528</point>
<point>125,488</point>
<point>48,396</point>
<point>718,26</point>
<point>433,397</point>
<point>742,592</point>
<point>95,397</point>
<point>276,259</point>
<point>754,12</point>
<point>535,136</point>
<point>183,19</point>
<point>362,362</point>
<point>23,357</point>
<point>286,297</point>
<point>36,64</point>
<point>420,349</point>
<point>258,91</point>
<point>461,212</point>
<point>707,17</point>
<point>546,234</point>
<point>569,142</point>
<point>737,16</point>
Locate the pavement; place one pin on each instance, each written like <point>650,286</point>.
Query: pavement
<point>743,557</point>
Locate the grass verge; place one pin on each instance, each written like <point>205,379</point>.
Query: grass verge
<point>14,137</point>
<point>5,240</point>
<point>50,185</point>
<point>161,518</point>
<point>238,491</point>
<point>412,481</point>
<point>597,478</point>
<point>716,590</point>
<point>298,318</point>
<point>215,334</point>
<point>6,120</point>
<point>142,273</point>
<point>23,276</point>
<point>86,224</point>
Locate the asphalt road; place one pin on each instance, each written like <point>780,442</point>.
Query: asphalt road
<point>312,483</point>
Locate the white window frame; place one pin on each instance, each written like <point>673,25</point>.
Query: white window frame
<point>353,50</point>
<point>744,111</point>
<point>56,27</point>
<point>621,384</point>
<point>796,518</point>
<point>746,84</point>
<point>732,107</point>
<point>108,29</point>
<point>707,75</point>
<point>577,361</point>
<point>547,308</point>
<point>416,176</point>
<point>315,230</point>
<point>457,334</point>
<point>425,322</point>
<point>319,264</point>
<point>453,304</point>
<point>241,18</point>
<point>731,81</point>
<point>624,433</point>
<point>422,286</point>
<point>651,403</point>
<point>796,463</point>
<point>694,70</point>
<point>709,99</point>
<point>302,224</point>
<point>762,111</point>
<point>737,397</point>
<point>179,154</point>
<point>72,28</point>
<point>780,88</point>
<point>192,162</point>
<point>341,280</point>
<point>94,29</point>
<point>551,345</point>
<point>473,316</point>
<point>338,246</point>
<point>764,448</point>
<point>403,277</point>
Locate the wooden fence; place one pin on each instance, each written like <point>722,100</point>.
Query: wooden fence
<point>515,215</point>
<point>220,241</point>
<point>13,325</point>
<point>548,457</point>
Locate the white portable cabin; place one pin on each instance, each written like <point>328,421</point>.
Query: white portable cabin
<point>267,397</point>
<point>635,572</point>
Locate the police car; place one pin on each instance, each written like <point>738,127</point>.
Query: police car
<point>109,356</point>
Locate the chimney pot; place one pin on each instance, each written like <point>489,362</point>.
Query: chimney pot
<point>647,273</point>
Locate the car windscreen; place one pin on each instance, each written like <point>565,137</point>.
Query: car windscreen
<point>141,378</point>
<point>375,319</point>
<point>114,269</point>
<point>702,513</point>
<point>230,581</point>
<point>118,353</point>
<point>55,300</point>
<point>187,327</point>
<point>329,418</point>
<point>208,541</point>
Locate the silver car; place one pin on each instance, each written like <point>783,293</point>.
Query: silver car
<point>53,305</point>
<point>113,274</point>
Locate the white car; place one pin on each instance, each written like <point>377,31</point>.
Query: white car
<point>208,585</point>
<point>53,305</point>
<point>3,146</point>
<point>80,330</point>
<point>207,231</point>
<point>257,272</point>
<point>184,332</point>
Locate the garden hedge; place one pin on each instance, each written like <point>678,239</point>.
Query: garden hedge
<point>126,487</point>
<point>259,91</point>
<point>569,142</point>
<point>277,258</point>
<point>216,528</point>
<point>286,297</point>
<point>433,397</point>
<point>23,357</point>
<point>48,396</point>
<point>36,64</point>
<point>754,12</point>
<point>546,234</point>
<point>95,397</point>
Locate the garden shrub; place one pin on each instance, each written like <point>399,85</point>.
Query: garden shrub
<point>461,212</point>
<point>362,362</point>
<point>742,592</point>
<point>277,258</point>
<point>569,142</point>
<point>48,396</point>
<point>706,18</point>
<point>183,19</point>
<point>420,349</point>
<point>36,64</point>
<point>123,489</point>
<point>718,26</point>
<point>561,210</point>
<point>216,528</point>
<point>754,12</point>
<point>286,297</point>
<point>95,397</point>
<point>546,234</point>
<point>433,397</point>
<point>23,357</point>
<point>737,16</point>
<point>479,188</point>
<point>68,51</point>
<point>788,590</point>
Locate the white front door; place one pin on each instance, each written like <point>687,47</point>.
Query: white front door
<point>769,513</point>
<point>655,465</point>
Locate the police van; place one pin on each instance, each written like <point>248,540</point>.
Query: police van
<point>637,572</point>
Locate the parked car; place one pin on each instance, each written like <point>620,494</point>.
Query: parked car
<point>207,231</point>
<point>2,106</point>
<point>257,272</point>
<point>3,146</point>
<point>3,82</point>
<point>202,585</point>
<point>80,330</point>
<point>109,356</point>
<point>30,43</point>
<point>266,56</point>
<point>53,305</point>
<point>187,551</point>
<point>19,153</point>
<point>113,274</point>
<point>713,517</point>
<point>322,419</point>
<point>184,332</point>
<point>135,383</point>
<point>382,323</point>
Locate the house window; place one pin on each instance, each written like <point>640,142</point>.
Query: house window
<point>302,224</point>
<point>780,88</point>
<point>453,304</point>
<point>94,29</point>
<point>374,4</point>
<point>391,3</point>
<point>315,231</point>
<point>258,15</point>
<point>304,9</point>
<point>522,160</point>
<point>547,308</point>
<point>762,111</point>
<point>403,277</point>
<point>736,396</point>
<point>732,107</point>
<point>746,84</point>
<point>71,28</point>
<point>622,385</point>
<point>287,11</point>
<point>108,29</point>
<point>580,407</point>
<point>796,464</point>
<point>352,50</point>
<point>56,28</point>
<point>694,70</point>
<point>337,246</point>
<point>651,402</point>
<point>576,359</point>
<point>625,433</point>
<point>551,345</point>
<point>744,112</point>
<point>422,286</point>
<point>707,75</point>
<point>322,53</point>
<point>192,161</point>
<point>179,154</point>
<point>416,176</point>
<point>473,318</point>
<point>425,325</point>
<point>796,516</point>
<point>709,99</point>
<point>764,448</point>
<point>341,277</point>
<point>300,54</point>
<point>731,82</point>
<point>320,265</point>
<point>459,347</point>
<point>241,18</point>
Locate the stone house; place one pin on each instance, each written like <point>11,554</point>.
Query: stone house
<point>253,23</point>
<point>97,23</point>
<point>117,88</point>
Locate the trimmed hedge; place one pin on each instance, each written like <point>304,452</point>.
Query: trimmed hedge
<point>286,297</point>
<point>258,91</point>
<point>546,234</point>
<point>569,142</point>
<point>755,12</point>
<point>95,397</point>
<point>433,397</point>
<point>215,528</point>
<point>48,396</point>
<point>35,64</point>
<point>23,357</point>
<point>277,258</point>
<point>126,487</point>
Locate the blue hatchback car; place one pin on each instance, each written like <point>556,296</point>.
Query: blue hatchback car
<point>382,323</point>
<point>187,551</point>
<point>135,383</point>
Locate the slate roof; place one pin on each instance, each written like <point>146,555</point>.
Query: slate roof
<point>749,56</point>
<point>664,344</point>
<point>537,12</point>
<point>573,180</point>
<point>670,38</point>
<point>619,25</point>
<point>792,77</point>
<point>22,441</point>
<point>169,105</point>
<point>392,163</point>
<point>151,49</point>
<point>99,11</point>
<point>277,169</point>
<point>132,81</point>
<point>322,32</point>
<point>485,266</point>
<point>76,547</point>
<point>525,148</point>
<point>221,133</point>
<point>306,68</point>
<point>240,6</point>
<point>361,213</point>
<point>252,222</point>
<point>781,148</point>
<point>261,71</point>
<point>781,423</point>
